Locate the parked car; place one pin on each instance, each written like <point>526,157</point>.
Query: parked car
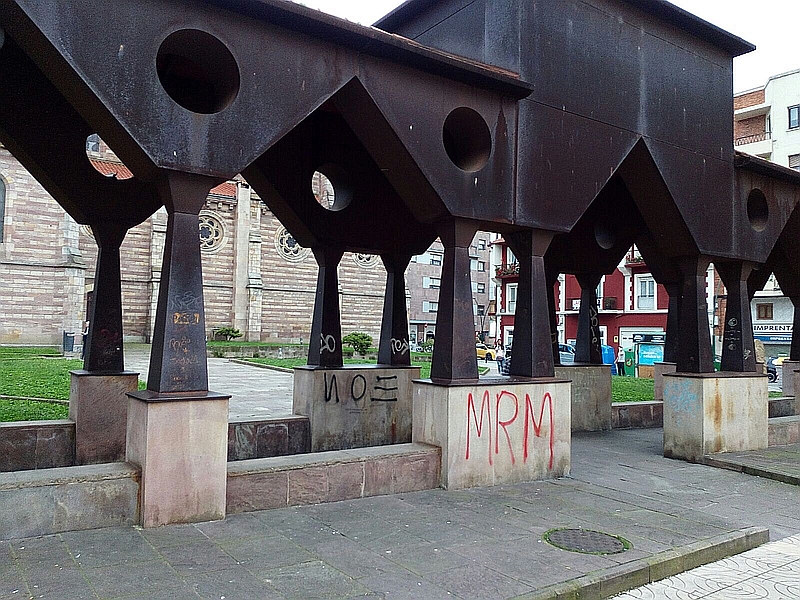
<point>566,354</point>
<point>772,370</point>
<point>485,352</point>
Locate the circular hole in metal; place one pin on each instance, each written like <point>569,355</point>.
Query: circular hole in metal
<point>757,210</point>
<point>198,71</point>
<point>467,139</point>
<point>605,236</point>
<point>331,187</point>
<point>104,161</point>
<point>586,541</point>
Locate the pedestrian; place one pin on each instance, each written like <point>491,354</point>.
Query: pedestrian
<point>84,339</point>
<point>621,361</point>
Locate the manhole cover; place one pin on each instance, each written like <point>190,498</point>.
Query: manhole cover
<point>586,541</point>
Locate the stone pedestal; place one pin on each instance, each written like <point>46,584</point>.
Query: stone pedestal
<point>496,431</point>
<point>659,370</point>
<point>356,405</point>
<point>591,395</point>
<point>99,406</point>
<point>180,442</point>
<point>714,412</point>
<point>788,375</point>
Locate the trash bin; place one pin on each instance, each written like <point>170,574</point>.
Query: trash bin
<point>68,342</point>
<point>630,362</point>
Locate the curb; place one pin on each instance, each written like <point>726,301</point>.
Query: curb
<point>606,583</point>
<point>750,470</point>
<point>44,400</point>
<point>240,361</point>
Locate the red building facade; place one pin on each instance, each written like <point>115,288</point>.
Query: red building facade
<point>629,299</point>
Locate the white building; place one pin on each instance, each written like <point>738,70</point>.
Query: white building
<point>767,124</point>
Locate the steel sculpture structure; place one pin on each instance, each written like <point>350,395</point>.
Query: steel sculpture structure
<point>574,128</point>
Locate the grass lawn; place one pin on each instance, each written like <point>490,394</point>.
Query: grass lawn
<point>631,389</point>
<point>9,352</point>
<point>37,377</point>
<point>24,410</point>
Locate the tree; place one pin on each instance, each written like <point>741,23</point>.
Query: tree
<point>359,341</point>
<point>229,333</point>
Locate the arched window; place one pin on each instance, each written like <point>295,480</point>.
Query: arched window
<point>2,208</point>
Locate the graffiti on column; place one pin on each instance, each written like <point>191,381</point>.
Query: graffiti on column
<point>186,312</point>
<point>504,414</point>
<point>594,326</point>
<point>327,343</point>
<point>378,388</point>
<point>399,346</point>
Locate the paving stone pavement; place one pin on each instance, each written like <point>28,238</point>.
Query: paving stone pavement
<point>481,543</point>
<point>255,393</point>
<point>769,572</point>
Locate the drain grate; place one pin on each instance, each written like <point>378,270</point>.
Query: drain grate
<point>586,541</point>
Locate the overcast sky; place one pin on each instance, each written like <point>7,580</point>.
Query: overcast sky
<point>769,24</point>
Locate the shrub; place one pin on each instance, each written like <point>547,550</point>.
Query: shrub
<point>360,342</point>
<point>229,333</point>
<point>427,346</point>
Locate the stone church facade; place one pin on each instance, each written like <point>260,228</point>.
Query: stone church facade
<point>256,277</point>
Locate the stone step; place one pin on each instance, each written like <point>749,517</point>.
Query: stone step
<point>266,483</point>
<point>784,430</point>
<point>50,501</point>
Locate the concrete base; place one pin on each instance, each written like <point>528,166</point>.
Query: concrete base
<point>355,406</point>
<point>591,396</point>
<point>789,376</point>
<point>659,370</point>
<point>99,406</point>
<point>180,443</point>
<point>714,412</point>
<point>496,431</point>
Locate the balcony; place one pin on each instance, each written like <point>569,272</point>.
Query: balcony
<point>757,144</point>
<point>506,271</point>
<point>752,139</point>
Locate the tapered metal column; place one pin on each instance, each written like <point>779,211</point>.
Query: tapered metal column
<point>673,322</point>
<point>694,343</point>
<point>454,355</point>
<point>325,345</point>
<point>588,343</point>
<point>393,348</point>
<point>794,352</point>
<point>533,346</point>
<point>738,347</point>
<point>178,357</point>
<point>104,353</point>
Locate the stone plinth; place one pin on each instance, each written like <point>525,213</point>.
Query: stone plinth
<point>591,396</point>
<point>99,406</point>
<point>714,412</point>
<point>180,443</point>
<point>355,406</point>
<point>788,376</point>
<point>496,431</point>
<point>659,370</point>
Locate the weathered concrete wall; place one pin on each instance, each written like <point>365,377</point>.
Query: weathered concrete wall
<point>355,406</point>
<point>268,437</point>
<point>789,376</point>
<point>54,500</point>
<point>497,431</point>
<point>331,476</point>
<point>591,395</point>
<point>28,445</point>
<point>99,406</point>
<point>637,415</point>
<point>659,369</point>
<point>709,413</point>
